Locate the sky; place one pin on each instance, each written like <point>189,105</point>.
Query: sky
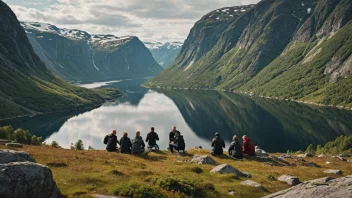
<point>150,20</point>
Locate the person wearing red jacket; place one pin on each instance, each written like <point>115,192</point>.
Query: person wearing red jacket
<point>248,146</point>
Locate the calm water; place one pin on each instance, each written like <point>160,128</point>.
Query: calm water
<point>276,126</point>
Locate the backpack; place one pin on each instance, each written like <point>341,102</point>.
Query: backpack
<point>106,139</point>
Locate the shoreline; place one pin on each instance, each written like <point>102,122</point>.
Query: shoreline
<point>339,107</point>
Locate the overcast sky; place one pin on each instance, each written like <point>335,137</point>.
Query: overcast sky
<point>150,20</point>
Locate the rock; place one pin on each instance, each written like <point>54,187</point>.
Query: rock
<point>305,155</point>
<point>253,184</point>
<point>232,193</point>
<point>260,152</point>
<point>14,145</point>
<point>203,159</point>
<point>104,196</point>
<point>7,156</point>
<point>226,169</point>
<point>286,156</point>
<point>332,171</point>
<point>345,155</point>
<point>303,162</point>
<point>282,160</point>
<point>246,174</point>
<point>27,179</point>
<point>342,159</point>
<point>4,142</point>
<point>321,155</point>
<point>328,162</point>
<point>324,187</point>
<point>290,180</point>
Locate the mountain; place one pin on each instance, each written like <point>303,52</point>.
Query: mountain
<point>76,55</point>
<point>164,53</point>
<point>26,85</point>
<point>299,50</point>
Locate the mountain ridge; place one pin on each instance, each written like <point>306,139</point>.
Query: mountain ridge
<point>164,53</point>
<point>78,56</point>
<point>261,52</point>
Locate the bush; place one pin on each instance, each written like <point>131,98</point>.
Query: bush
<point>309,149</point>
<point>342,144</point>
<point>137,190</point>
<point>20,135</point>
<point>185,186</point>
<point>55,144</point>
<point>79,145</point>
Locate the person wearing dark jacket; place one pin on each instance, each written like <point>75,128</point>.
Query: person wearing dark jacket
<point>111,145</point>
<point>138,144</point>
<point>125,144</point>
<point>178,143</point>
<point>172,134</point>
<point>248,146</point>
<point>218,144</point>
<point>152,137</point>
<point>235,149</point>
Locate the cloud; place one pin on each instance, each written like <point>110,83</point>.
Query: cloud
<point>152,20</point>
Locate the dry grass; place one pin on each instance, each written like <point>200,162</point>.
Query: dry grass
<point>100,172</point>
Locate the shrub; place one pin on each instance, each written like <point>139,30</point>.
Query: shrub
<point>55,144</point>
<point>309,149</point>
<point>342,144</point>
<point>6,132</point>
<point>185,186</point>
<point>137,190</point>
<point>36,140</point>
<point>20,135</point>
<point>79,145</point>
<point>197,169</point>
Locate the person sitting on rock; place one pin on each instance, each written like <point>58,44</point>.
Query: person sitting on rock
<point>178,143</point>
<point>235,149</point>
<point>248,146</point>
<point>138,146</point>
<point>218,144</point>
<point>125,143</point>
<point>172,134</point>
<point>111,142</point>
<point>152,137</point>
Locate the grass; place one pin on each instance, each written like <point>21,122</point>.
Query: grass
<point>83,173</point>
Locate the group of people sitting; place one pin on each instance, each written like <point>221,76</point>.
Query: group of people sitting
<point>137,145</point>
<point>236,150</point>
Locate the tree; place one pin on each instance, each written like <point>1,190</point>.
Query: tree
<point>55,144</point>
<point>79,145</point>
<point>36,140</point>
<point>6,132</point>
<point>309,149</point>
<point>22,136</point>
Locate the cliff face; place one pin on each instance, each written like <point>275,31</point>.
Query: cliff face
<point>164,53</point>
<point>78,56</point>
<point>280,48</point>
<point>26,85</point>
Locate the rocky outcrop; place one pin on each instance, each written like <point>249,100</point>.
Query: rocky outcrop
<point>324,187</point>
<point>203,159</point>
<point>7,156</point>
<point>14,145</point>
<point>290,180</point>
<point>253,184</point>
<point>226,169</point>
<point>332,171</point>
<point>27,180</point>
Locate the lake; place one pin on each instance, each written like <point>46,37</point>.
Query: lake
<point>276,126</point>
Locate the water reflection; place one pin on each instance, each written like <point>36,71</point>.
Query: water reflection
<point>274,125</point>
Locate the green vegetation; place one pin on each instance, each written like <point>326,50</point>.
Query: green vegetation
<point>79,145</point>
<point>303,56</point>
<point>342,144</point>
<point>19,135</point>
<point>84,173</point>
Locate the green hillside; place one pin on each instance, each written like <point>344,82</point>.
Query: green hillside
<point>278,48</point>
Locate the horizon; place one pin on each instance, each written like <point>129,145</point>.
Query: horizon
<point>154,22</point>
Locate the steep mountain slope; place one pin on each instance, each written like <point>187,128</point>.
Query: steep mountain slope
<point>78,56</point>
<point>26,86</point>
<point>164,53</point>
<point>297,50</point>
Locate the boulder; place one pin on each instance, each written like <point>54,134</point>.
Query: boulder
<point>226,169</point>
<point>7,156</point>
<point>260,152</point>
<point>203,159</point>
<point>286,156</point>
<point>345,155</point>
<point>321,155</point>
<point>305,155</point>
<point>324,187</point>
<point>332,171</point>
<point>253,184</point>
<point>233,193</point>
<point>27,179</point>
<point>290,180</point>
<point>4,142</point>
<point>246,174</point>
<point>14,145</point>
<point>342,159</point>
<point>327,162</point>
